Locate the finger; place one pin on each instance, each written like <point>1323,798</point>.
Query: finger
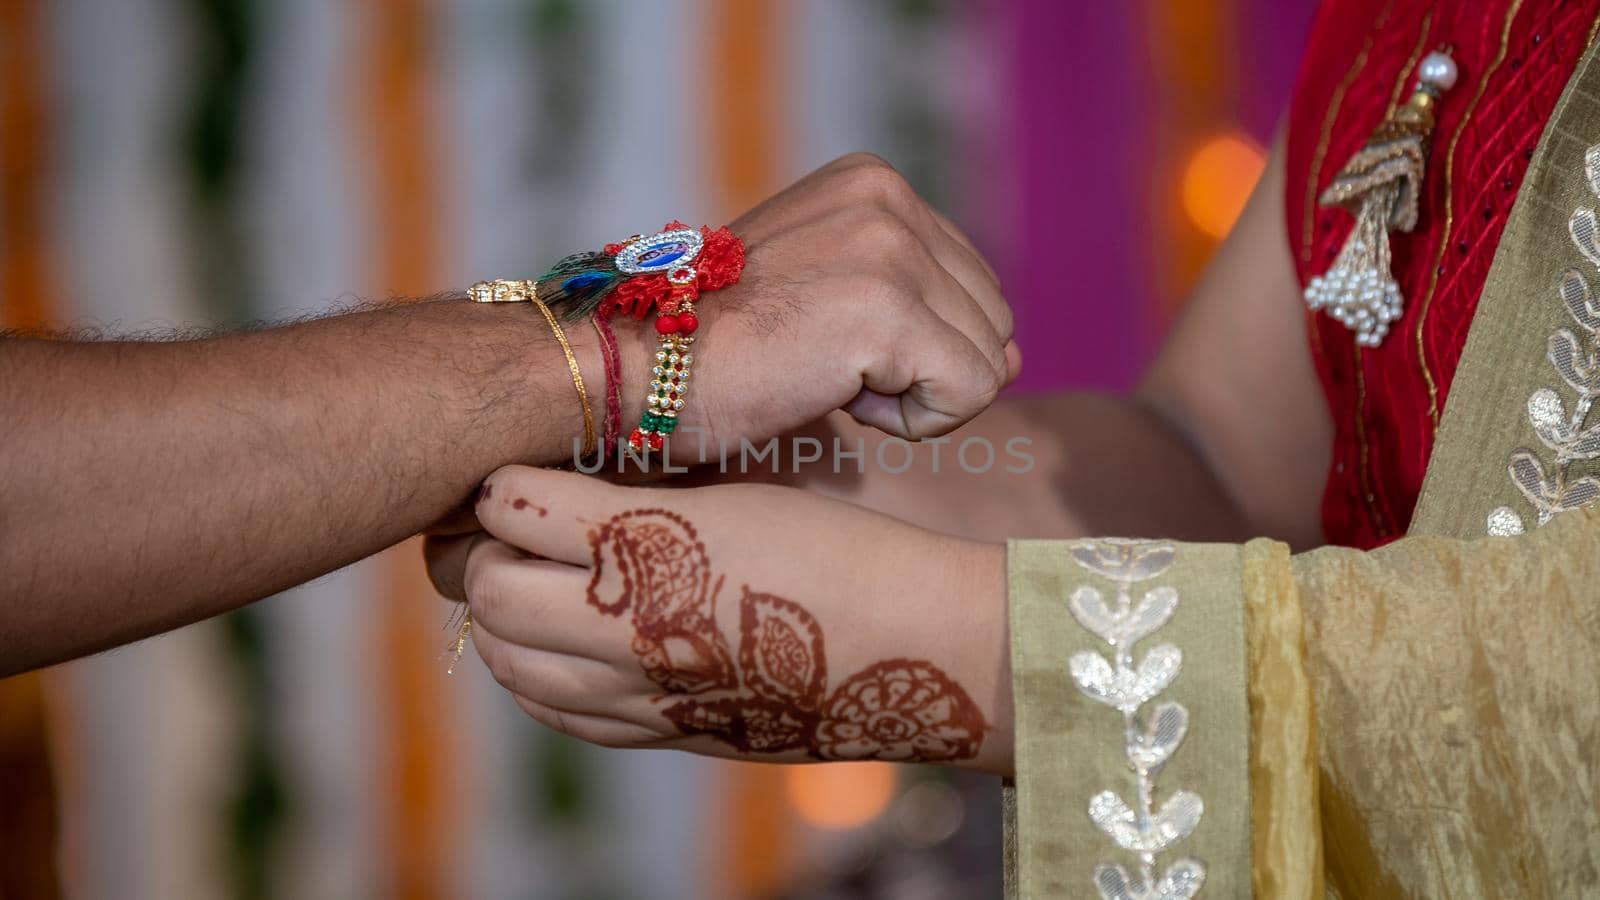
<point>962,261</point>
<point>909,416</point>
<point>948,397</point>
<point>539,603</point>
<point>951,302</point>
<point>560,680</point>
<point>457,521</point>
<point>961,237</point>
<point>880,411</point>
<point>549,512</point>
<point>646,729</point>
<point>599,730</point>
<point>1013,361</point>
<point>937,387</point>
<point>446,559</point>
<point>922,287</point>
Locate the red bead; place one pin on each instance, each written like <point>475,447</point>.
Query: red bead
<point>636,439</point>
<point>655,441</point>
<point>668,325</point>
<point>688,322</point>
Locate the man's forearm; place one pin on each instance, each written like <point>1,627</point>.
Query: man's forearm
<point>147,485</point>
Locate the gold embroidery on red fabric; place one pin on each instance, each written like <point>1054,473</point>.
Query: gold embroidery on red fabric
<point>1400,80</point>
<point>1313,178</point>
<point>1449,216</point>
<point>1364,468</point>
<point>1368,495</point>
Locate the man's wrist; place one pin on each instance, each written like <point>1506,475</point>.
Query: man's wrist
<point>518,381</point>
<point>554,385</point>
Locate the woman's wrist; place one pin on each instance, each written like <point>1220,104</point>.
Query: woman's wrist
<point>967,624</point>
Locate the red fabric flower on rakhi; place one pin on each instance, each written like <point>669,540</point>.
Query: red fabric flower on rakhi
<point>718,265</point>
<point>663,273</point>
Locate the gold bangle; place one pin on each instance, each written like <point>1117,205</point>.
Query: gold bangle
<point>577,376</point>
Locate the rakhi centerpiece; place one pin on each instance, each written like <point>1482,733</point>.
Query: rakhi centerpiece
<point>664,273</point>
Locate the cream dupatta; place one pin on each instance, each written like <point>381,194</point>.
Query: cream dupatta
<point>1421,720</point>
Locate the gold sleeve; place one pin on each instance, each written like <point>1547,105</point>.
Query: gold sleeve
<point>1457,694</point>
<point>1416,721</point>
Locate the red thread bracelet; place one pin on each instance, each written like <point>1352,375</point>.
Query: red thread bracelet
<point>666,272</point>
<point>612,428</point>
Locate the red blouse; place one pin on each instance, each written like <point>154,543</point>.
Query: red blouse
<point>1514,58</point>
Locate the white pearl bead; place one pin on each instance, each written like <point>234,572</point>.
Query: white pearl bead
<point>1437,70</point>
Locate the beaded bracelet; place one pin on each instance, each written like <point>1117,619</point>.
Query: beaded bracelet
<point>665,272</point>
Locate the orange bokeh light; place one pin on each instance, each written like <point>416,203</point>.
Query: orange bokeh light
<point>840,796</point>
<point>1218,179</point>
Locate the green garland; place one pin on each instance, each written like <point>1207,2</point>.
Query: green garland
<point>919,132</point>
<point>559,775</point>
<point>225,42</point>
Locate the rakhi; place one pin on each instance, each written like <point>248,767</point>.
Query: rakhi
<point>666,273</point>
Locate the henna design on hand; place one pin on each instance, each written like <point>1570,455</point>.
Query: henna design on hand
<point>520,503</point>
<point>666,580</point>
<point>775,699</point>
<point>780,651</point>
<point>900,709</point>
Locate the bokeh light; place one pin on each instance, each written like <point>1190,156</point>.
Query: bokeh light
<point>257,141</point>
<point>928,814</point>
<point>1218,179</point>
<point>840,796</point>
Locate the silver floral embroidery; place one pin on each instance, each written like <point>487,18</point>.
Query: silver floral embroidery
<point>1150,739</point>
<point>1549,485</point>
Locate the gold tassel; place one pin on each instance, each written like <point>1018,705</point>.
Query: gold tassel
<point>458,646</point>
<point>1380,186</point>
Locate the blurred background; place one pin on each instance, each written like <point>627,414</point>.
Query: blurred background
<point>176,163</point>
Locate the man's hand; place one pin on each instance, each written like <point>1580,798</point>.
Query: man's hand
<point>139,471</point>
<point>856,295</point>
<point>741,621</point>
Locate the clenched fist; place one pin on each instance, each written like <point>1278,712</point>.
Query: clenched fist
<point>856,295</point>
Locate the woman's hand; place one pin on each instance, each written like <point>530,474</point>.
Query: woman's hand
<point>743,621</point>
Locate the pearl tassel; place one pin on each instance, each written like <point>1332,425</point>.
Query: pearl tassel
<point>1380,186</point>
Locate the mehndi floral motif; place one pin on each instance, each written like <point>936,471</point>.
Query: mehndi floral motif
<point>1548,484</point>
<point>771,695</point>
<point>1151,738</point>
